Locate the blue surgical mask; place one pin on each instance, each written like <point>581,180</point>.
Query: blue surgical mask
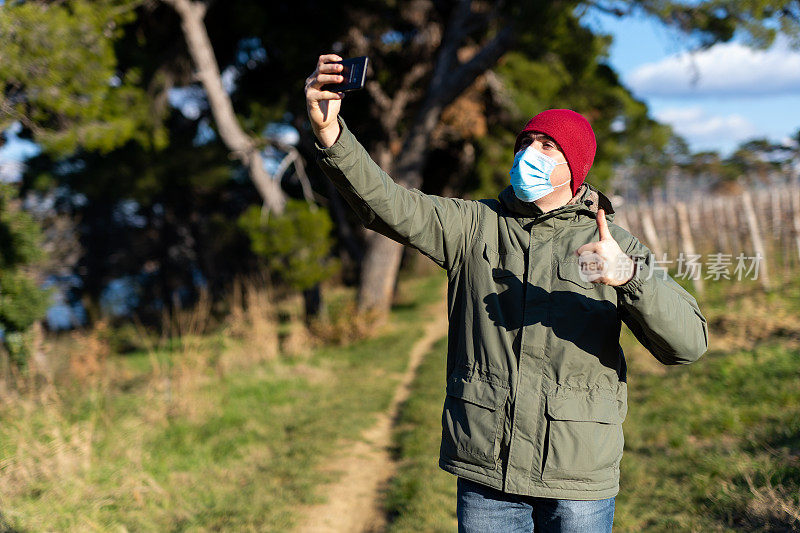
<point>530,175</point>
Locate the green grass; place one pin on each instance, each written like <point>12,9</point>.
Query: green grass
<point>712,446</point>
<point>422,497</point>
<point>242,451</point>
<point>694,435</point>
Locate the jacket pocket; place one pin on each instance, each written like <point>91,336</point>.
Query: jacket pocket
<point>504,265</point>
<point>472,420</point>
<point>584,437</point>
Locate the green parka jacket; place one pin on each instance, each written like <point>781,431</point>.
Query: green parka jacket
<point>536,379</point>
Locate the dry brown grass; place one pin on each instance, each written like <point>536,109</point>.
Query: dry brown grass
<point>745,330</point>
<point>773,506</point>
<point>343,324</point>
<point>44,450</point>
<point>88,362</point>
<point>253,322</point>
<point>750,317</point>
<point>49,456</point>
<point>184,360</point>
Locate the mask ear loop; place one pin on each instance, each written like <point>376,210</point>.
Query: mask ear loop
<point>562,184</point>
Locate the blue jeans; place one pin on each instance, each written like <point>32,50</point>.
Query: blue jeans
<point>483,509</point>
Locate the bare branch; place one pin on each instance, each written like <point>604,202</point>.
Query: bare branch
<point>427,40</point>
<point>615,10</point>
<point>8,109</point>
<point>406,94</point>
<point>188,7</point>
<point>380,98</point>
<point>448,50</point>
<point>240,144</point>
<point>358,41</point>
<point>414,75</point>
<point>284,165</point>
<point>480,62</point>
<point>499,90</point>
<point>300,170</point>
<point>479,22</point>
<point>391,109</point>
<point>414,148</point>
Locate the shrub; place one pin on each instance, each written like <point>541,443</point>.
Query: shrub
<point>22,302</point>
<point>296,244</point>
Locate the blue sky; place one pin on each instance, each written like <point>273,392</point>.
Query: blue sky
<point>714,98</point>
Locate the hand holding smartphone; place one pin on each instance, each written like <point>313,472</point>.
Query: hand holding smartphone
<point>325,88</point>
<point>354,73</point>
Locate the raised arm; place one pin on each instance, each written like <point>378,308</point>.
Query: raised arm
<point>441,228</point>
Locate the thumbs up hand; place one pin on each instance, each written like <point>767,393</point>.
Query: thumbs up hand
<point>603,261</point>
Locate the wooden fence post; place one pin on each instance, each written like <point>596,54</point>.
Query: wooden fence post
<point>733,222</point>
<point>769,219</point>
<point>775,196</point>
<point>650,234</point>
<point>685,230</point>
<point>755,235</point>
<point>721,228</point>
<point>796,217</point>
<point>622,221</point>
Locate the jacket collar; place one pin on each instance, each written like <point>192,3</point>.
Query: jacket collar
<point>587,200</point>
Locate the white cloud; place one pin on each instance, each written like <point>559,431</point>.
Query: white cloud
<point>703,129</point>
<point>729,69</point>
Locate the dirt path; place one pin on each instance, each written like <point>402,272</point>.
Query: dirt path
<point>354,502</point>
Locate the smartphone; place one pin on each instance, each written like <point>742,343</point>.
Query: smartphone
<point>354,73</point>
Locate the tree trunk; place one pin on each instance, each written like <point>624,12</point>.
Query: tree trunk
<point>312,300</point>
<point>449,79</point>
<point>382,257</point>
<point>241,145</point>
<point>379,273</point>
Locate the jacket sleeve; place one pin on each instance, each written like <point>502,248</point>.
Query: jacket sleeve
<point>662,315</point>
<point>439,227</point>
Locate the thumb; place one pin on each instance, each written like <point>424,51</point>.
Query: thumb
<point>602,225</point>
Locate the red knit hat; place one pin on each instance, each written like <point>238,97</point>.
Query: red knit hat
<point>574,136</point>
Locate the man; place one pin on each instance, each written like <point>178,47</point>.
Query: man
<point>539,282</point>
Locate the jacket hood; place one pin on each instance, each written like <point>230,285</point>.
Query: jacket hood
<point>587,199</point>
